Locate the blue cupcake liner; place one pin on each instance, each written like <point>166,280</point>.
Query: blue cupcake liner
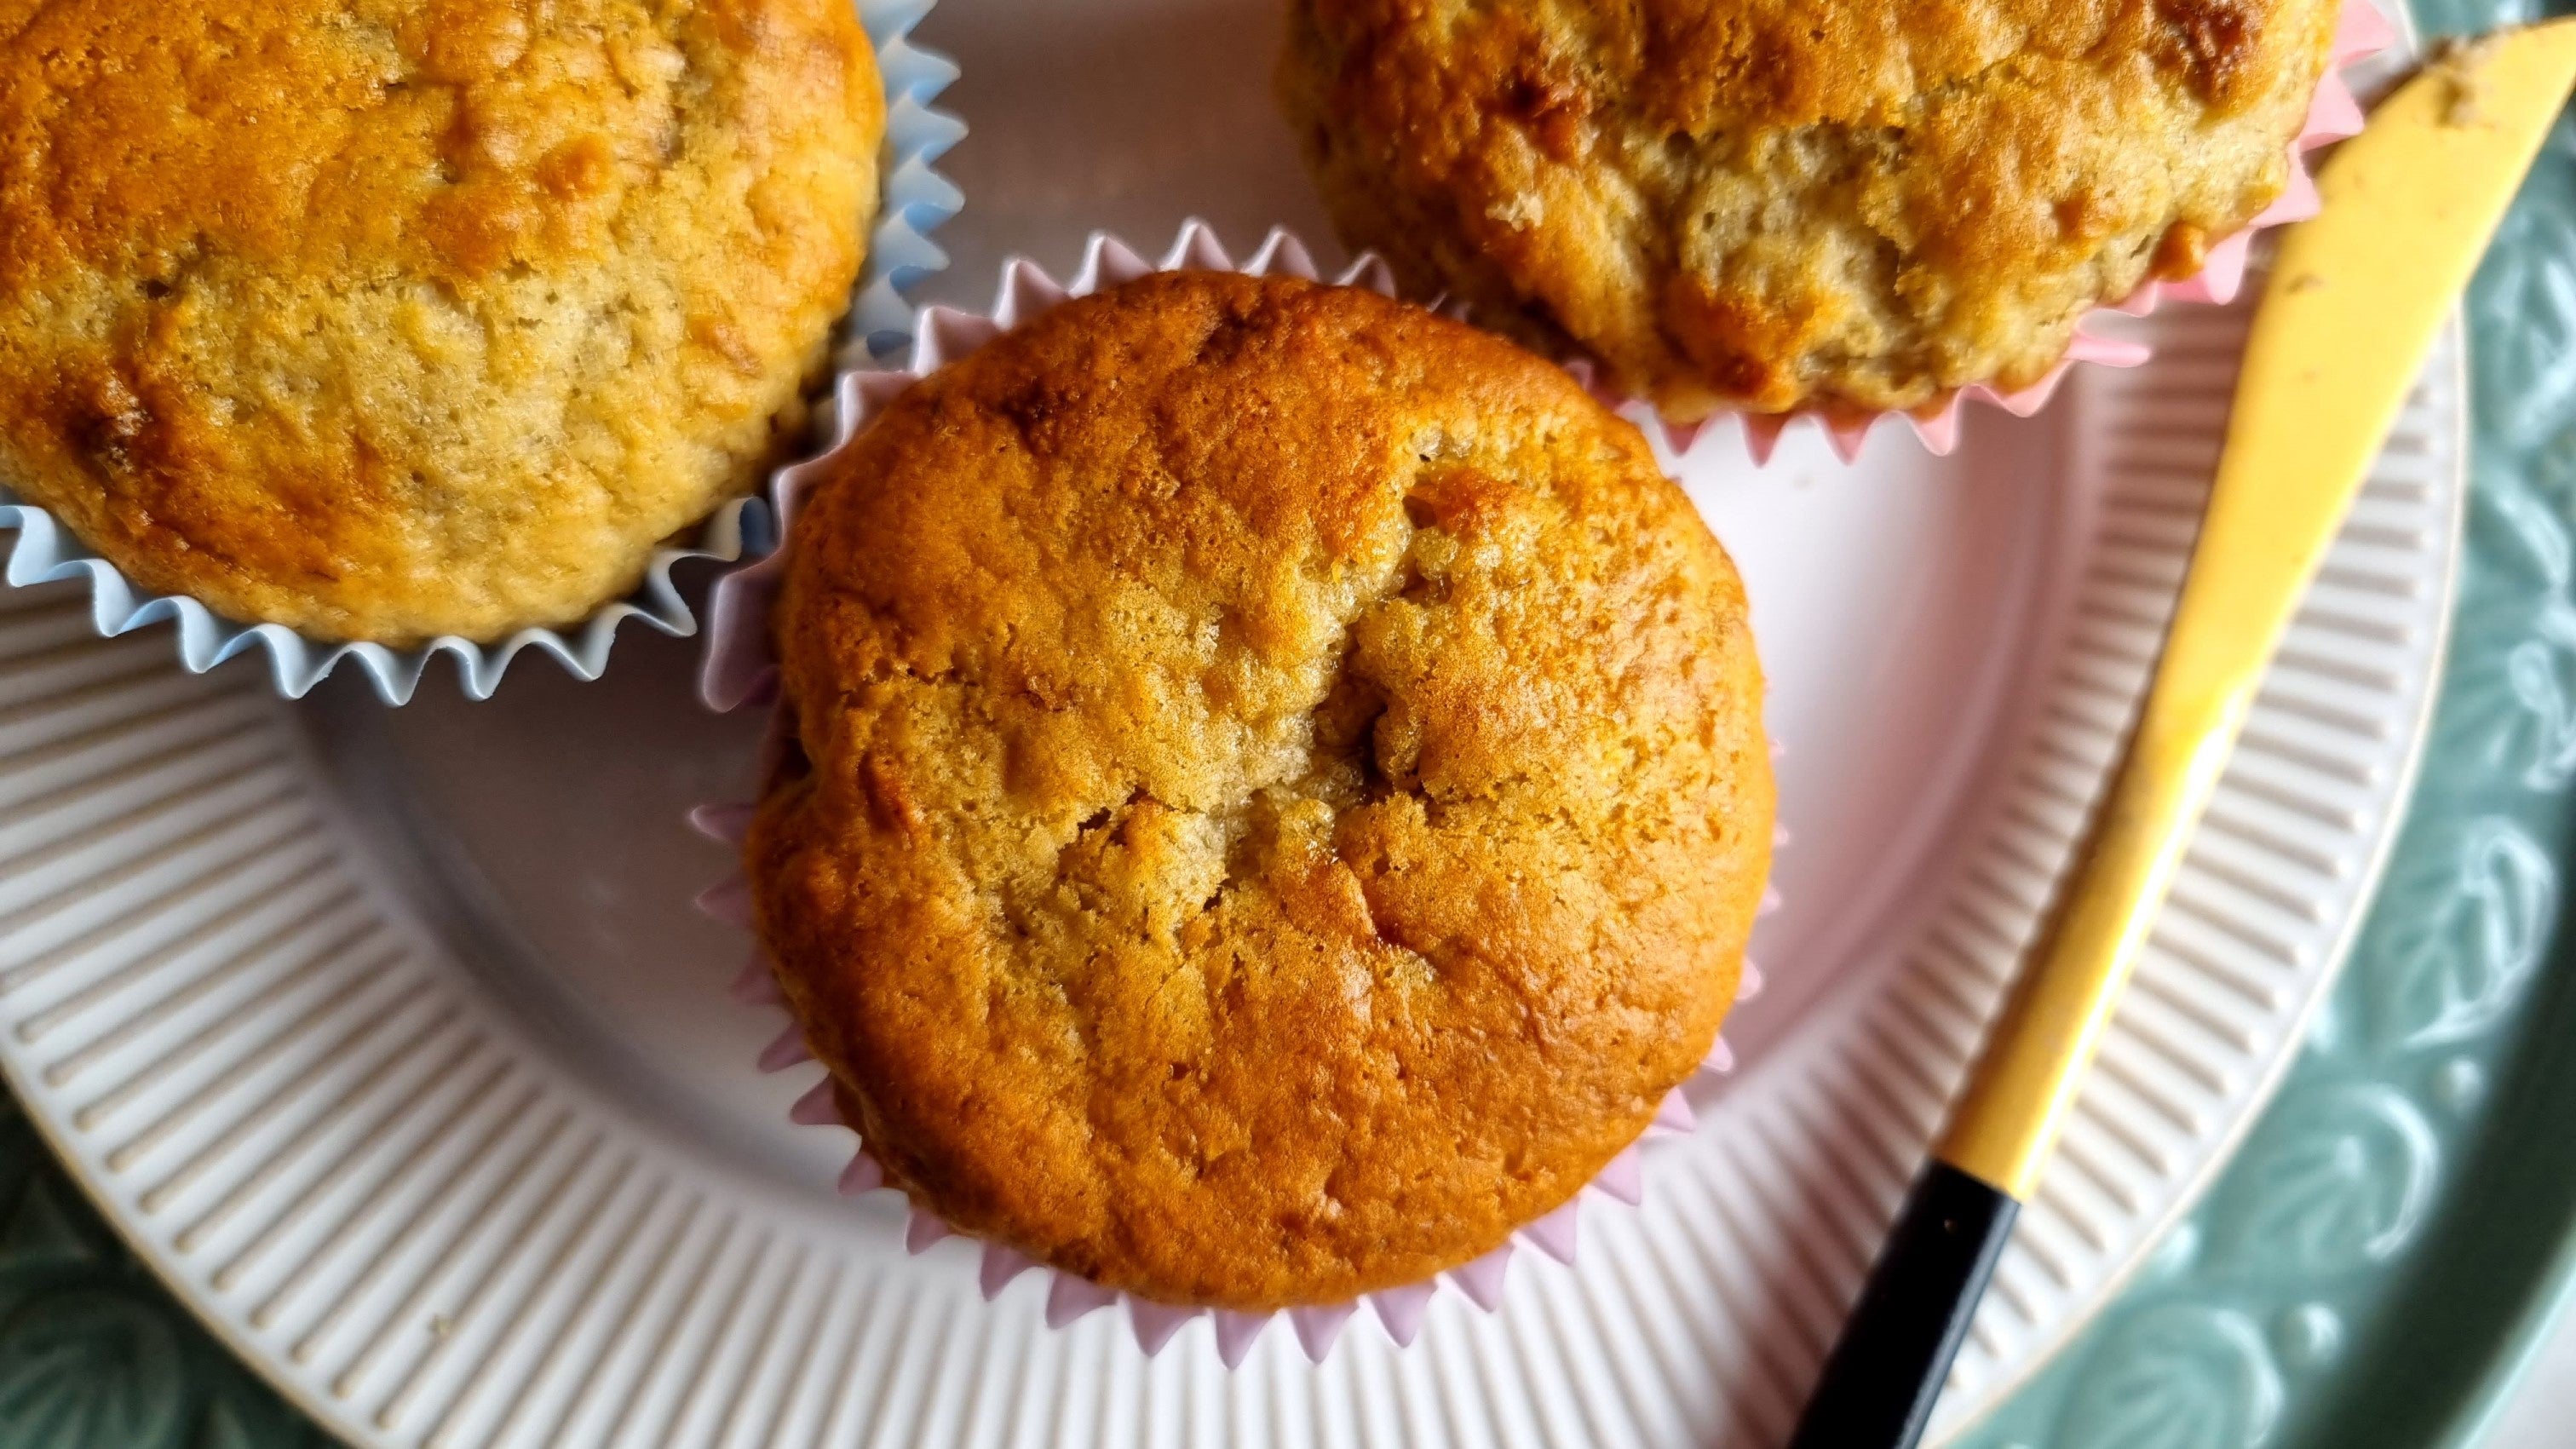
<point>914,199</point>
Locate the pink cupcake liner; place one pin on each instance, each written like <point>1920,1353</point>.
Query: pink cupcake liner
<point>2361,31</point>
<point>740,670</point>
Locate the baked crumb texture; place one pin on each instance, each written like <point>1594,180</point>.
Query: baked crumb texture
<point>1282,793</point>
<point>1767,205</point>
<point>385,319</point>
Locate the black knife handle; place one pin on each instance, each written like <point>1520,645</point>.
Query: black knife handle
<point>1886,1370</point>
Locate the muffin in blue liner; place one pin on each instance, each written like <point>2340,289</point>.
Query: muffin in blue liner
<point>913,200</point>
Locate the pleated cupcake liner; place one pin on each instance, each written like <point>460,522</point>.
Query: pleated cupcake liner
<point>740,671</point>
<point>914,200</point>
<point>2361,31</point>
<point>1399,1310</point>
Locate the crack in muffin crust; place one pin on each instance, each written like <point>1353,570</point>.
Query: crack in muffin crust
<point>1280,792</point>
<point>1768,204</point>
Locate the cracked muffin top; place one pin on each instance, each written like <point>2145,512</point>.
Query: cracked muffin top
<point>384,319</point>
<point>1279,795</point>
<point>1774,204</point>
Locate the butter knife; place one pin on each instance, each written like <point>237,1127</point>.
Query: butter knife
<point>2355,300</point>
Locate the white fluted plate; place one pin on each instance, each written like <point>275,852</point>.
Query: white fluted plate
<point>393,1043</point>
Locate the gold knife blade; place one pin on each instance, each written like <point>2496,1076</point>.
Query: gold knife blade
<point>2356,298</point>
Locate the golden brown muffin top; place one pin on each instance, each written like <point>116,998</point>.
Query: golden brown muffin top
<point>386,318</point>
<point>1282,791</point>
<point>1774,203</point>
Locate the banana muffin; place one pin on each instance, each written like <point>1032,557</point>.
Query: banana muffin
<point>1278,794</point>
<point>1766,205</point>
<point>386,319</point>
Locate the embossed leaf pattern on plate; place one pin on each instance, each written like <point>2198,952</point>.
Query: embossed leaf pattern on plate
<point>2527,371</point>
<point>2348,1174</point>
<point>93,1354</point>
<point>2186,1376</point>
<point>2456,969</point>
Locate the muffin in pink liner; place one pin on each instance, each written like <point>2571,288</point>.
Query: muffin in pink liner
<point>2335,115</point>
<point>740,670</point>
<point>1739,212</point>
